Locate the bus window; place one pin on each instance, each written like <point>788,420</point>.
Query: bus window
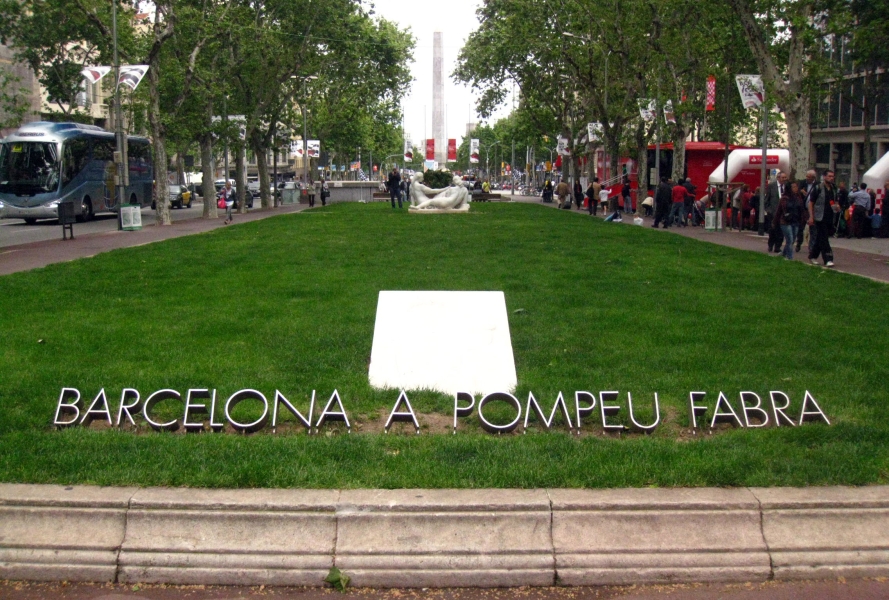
<point>139,156</point>
<point>75,154</point>
<point>103,150</point>
<point>29,168</point>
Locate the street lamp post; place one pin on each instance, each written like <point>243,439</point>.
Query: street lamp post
<point>305,80</point>
<point>487,153</point>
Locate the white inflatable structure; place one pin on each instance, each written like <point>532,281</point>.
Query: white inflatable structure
<point>750,158</point>
<point>877,175</point>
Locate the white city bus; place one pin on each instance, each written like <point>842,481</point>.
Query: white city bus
<point>43,164</point>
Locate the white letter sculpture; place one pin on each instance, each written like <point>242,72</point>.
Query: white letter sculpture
<point>455,198</point>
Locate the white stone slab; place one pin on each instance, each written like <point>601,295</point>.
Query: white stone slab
<point>447,341</point>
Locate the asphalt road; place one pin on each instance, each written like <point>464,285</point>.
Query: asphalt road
<point>15,231</point>
<point>841,589</point>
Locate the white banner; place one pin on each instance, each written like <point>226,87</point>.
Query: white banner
<point>669,114</point>
<point>647,110</point>
<point>314,148</point>
<point>131,75</point>
<point>473,150</point>
<point>408,151</point>
<point>751,89</point>
<point>594,132</point>
<point>296,148</point>
<point>94,74</point>
<point>562,148</point>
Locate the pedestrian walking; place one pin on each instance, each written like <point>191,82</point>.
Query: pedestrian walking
<point>228,196</point>
<point>787,217</point>
<point>821,203</point>
<point>774,192</point>
<point>578,194</point>
<point>325,192</point>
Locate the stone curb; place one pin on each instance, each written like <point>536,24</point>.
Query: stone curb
<point>442,538</point>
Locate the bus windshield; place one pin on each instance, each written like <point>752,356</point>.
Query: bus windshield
<point>28,168</point>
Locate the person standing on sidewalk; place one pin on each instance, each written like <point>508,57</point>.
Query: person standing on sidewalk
<point>805,186</point>
<point>678,196</point>
<point>860,201</point>
<point>774,192</point>
<point>821,203</point>
<point>578,194</point>
<point>394,185</point>
<point>592,195</point>
<point>663,197</point>
<point>625,194</point>
<point>563,192</point>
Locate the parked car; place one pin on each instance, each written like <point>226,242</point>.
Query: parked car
<point>180,196</point>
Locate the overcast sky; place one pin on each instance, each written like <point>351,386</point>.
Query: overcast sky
<point>456,19</point>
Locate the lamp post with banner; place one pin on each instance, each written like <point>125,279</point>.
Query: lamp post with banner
<point>487,164</point>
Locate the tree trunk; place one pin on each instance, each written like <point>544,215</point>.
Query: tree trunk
<point>240,180</point>
<point>679,154</point>
<point>159,153</point>
<point>641,162</point>
<point>180,168</point>
<point>799,136</point>
<point>262,164</point>
<point>208,168</point>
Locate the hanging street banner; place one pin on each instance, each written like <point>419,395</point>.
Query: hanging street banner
<point>430,149</point>
<point>711,93</point>
<point>314,148</point>
<point>452,149</point>
<point>94,74</point>
<point>669,115</point>
<point>594,132</point>
<point>751,89</point>
<point>408,151</point>
<point>296,148</point>
<point>131,75</point>
<point>473,151</point>
<point>647,110</point>
<point>354,166</point>
<point>562,147</point>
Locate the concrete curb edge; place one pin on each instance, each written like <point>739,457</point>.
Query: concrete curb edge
<point>442,538</point>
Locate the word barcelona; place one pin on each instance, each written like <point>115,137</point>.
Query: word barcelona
<point>202,412</point>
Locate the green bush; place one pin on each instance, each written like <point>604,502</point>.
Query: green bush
<point>438,179</point>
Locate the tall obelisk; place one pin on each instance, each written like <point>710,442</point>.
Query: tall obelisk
<point>438,132</point>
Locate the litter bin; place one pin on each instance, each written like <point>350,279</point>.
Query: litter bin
<point>710,219</point>
<point>131,217</point>
<point>67,218</point>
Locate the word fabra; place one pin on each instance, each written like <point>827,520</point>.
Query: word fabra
<point>201,411</point>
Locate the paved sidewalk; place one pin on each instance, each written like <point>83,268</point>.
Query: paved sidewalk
<point>39,254</point>
<point>837,589</point>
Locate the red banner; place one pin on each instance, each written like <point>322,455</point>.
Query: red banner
<point>452,150</point>
<point>430,149</point>
<point>711,93</point>
<point>756,159</point>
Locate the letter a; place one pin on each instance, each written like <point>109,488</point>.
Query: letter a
<point>403,416</point>
<point>811,415</point>
<point>332,415</point>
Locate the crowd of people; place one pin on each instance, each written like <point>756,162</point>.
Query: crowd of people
<point>808,211</point>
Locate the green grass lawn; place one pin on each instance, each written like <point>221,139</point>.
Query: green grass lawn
<point>289,303</point>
